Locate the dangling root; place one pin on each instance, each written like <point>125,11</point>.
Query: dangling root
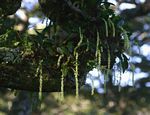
<point>106,27</point>
<point>113,27</point>
<point>76,54</point>
<point>64,72</point>
<point>76,75</point>
<point>62,85</point>
<point>39,70</point>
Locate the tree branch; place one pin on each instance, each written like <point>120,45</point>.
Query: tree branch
<point>140,10</point>
<point>20,78</point>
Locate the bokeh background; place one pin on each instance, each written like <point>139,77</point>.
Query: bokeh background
<point>131,97</point>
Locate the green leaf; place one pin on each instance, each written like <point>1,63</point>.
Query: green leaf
<point>70,46</point>
<point>124,61</point>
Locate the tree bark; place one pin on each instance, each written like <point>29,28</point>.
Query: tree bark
<point>15,78</point>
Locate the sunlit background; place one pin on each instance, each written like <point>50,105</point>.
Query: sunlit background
<point>132,100</point>
<point>96,78</point>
